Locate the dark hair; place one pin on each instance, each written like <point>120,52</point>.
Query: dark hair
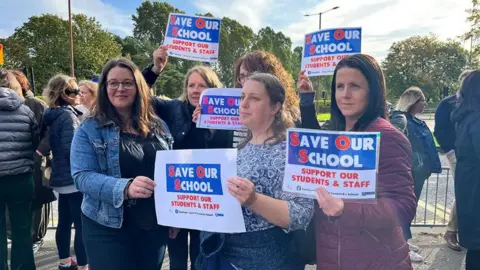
<point>469,94</point>
<point>377,105</point>
<point>266,62</point>
<point>276,94</point>
<point>144,119</point>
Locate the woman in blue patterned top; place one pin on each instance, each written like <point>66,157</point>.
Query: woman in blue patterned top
<point>270,214</point>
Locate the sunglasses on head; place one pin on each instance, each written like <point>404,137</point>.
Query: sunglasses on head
<point>72,91</point>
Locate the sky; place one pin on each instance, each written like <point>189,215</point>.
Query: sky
<point>383,21</point>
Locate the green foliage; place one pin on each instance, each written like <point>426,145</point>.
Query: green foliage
<point>150,22</point>
<point>43,43</point>
<point>426,62</point>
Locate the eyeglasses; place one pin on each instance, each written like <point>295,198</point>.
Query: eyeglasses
<point>243,77</point>
<point>72,91</point>
<point>126,84</point>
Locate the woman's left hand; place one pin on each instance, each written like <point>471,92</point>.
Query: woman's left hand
<point>331,206</point>
<point>173,232</point>
<point>160,59</point>
<point>242,189</point>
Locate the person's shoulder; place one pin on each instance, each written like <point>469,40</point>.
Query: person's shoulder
<point>387,130</point>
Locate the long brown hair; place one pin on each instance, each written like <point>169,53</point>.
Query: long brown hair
<point>56,87</point>
<point>265,62</point>
<point>144,119</point>
<point>277,95</point>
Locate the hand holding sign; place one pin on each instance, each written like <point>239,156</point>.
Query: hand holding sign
<point>141,188</point>
<point>331,206</point>
<point>196,113</point>
<point>304,84</point>
<point>160,59</point>
<point>243,190</point>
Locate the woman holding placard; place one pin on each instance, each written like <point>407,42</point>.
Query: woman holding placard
<point>269,213</point>
<point>113,161</point>
<point>355,235</point>
<point>188,136</point>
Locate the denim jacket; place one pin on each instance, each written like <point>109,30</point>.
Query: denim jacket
<point>95,168</point>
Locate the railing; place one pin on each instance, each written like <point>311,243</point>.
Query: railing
<point>436,201</point>
<point>433,206</point>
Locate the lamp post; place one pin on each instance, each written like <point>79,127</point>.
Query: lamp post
<point>72,71</point>
<point>320,15</point>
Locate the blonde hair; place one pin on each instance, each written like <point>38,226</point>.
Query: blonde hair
<point>411,96</point>
<point>56,87</point>
<point>208,75</point>
<point>91,86</point>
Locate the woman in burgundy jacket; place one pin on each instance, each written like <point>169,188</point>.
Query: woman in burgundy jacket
<point>353,235</point>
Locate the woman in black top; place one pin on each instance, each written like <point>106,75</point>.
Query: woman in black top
<point>188,136</point>
<point>466,118</point>
<point>113,164</point>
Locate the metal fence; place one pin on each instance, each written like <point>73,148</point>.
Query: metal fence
<point>436,201</point>
<point>433,206</point>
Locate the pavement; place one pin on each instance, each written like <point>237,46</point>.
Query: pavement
<point>430,240</point>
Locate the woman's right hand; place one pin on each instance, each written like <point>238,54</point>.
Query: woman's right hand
<point>141,188</point>
<point>304,85</point>
<point>196,113</point>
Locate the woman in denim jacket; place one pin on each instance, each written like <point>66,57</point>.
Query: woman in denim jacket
<point>113,160</point>
<point>425,160</point>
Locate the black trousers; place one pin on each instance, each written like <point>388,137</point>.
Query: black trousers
<point>178,249</point>
<point>69,212</point>
<point>127,248</point>
<point>16,194</point>
<point>419,179</point>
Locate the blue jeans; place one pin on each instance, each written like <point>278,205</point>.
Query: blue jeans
<point>127,248</point>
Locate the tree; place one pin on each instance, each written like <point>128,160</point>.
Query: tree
<point>235,41</point>
<point>473,34</point>
<point>426,62</point>
<point>42,43</point>
<point>278,44</point>
<point>151,21</point>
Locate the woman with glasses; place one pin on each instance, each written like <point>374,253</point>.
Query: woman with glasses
<point>61,120</point>
<point>113,164</point>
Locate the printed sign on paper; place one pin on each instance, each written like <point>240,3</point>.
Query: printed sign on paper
<point>192,192</point>
<point>344,163</point>
<point>323,49</point>
<point>193,37</point>
<point>220,109</point>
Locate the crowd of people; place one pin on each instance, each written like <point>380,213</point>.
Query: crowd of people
<point>94,146</point>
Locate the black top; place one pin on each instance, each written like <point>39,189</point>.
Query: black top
<point>444,128</point>
<point>195,138</point>
<point>137,158</point>
<point>467,175</point>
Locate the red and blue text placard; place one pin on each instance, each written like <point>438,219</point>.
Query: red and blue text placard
<point>220,109</point>
<point>194,178</point>
<point>193,37</point>
<point>323,49</point>
<point>344,163</point>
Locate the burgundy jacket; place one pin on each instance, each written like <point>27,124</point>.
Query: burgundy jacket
<point>369,236</point>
